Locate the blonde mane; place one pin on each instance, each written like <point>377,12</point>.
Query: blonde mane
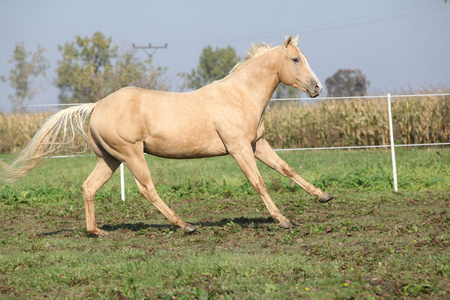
<point>253,52</point>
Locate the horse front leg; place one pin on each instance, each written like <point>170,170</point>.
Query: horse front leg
<point>244,156</point>
<point>266,155</point>
<point>138,167</point>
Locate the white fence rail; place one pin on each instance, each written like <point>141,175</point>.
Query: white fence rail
<point>391,145</point>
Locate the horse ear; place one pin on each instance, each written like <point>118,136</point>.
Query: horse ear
<point>295,41</point>
<point>288,41</point>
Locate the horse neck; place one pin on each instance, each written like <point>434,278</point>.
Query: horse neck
<point>259,78</point>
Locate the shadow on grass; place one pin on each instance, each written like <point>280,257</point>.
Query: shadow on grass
<point>241,221</point>
<point>56,232</point>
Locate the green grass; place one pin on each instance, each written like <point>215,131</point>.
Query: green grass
<point>367,243</point>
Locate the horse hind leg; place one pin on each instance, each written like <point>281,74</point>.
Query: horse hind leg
<point>102,172</point>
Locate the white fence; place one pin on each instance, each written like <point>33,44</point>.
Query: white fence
<point>391,129</point>
<point>391,145</point>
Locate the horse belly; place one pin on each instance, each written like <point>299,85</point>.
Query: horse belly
<point>176,146</point>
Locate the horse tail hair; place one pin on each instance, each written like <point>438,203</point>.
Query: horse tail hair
<point>56,133</point>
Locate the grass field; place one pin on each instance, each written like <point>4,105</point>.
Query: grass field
<point>368,243</point>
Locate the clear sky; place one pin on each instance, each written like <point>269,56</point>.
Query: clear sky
<point>400,45</point>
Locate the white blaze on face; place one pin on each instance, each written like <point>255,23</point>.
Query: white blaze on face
<point>311,72</point>
<point>303,57</point>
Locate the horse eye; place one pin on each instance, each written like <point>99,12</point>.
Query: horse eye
<point>296,60</point>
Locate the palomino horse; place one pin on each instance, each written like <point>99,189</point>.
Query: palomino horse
<point>224,117</point>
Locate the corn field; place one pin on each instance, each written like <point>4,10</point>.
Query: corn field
<point>327,123</point>
<point>16,131</point>
<point>358,122</point>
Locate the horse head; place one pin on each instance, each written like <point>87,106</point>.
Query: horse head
<point>294,69</point>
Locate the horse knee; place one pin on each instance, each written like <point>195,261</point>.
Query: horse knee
<point>288,170</point>
<point>284,169</point>
<point>148,194</point>
<point>259,185</point>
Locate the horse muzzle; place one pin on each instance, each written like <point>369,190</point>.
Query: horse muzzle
<point>314,90</point>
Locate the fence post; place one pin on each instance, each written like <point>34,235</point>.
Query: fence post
<point>391,130</point>
<point>122,182</point>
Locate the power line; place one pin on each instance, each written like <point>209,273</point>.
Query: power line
<point>156,48</point>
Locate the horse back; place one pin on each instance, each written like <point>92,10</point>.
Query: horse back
<point>175,125</point>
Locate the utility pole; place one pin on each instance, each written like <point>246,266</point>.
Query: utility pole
<point>150,47</point>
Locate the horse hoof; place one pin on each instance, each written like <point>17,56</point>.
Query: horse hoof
<point>287,225</point>
<point>325,198</point>
<point>98,232</point>
<point>189,229</point>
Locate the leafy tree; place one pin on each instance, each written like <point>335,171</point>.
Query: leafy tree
<point>83,73</point>
<point>27,65</point>
<point>347,83</point>
<point>213,65</point>
<point>92,68</point>
<point>129,70</point>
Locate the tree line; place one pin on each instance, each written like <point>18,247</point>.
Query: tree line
<point>90,68</point>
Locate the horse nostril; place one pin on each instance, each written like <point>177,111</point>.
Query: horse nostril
<point>317,88</point>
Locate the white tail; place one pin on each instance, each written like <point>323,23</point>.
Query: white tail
<point>57,131</point>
